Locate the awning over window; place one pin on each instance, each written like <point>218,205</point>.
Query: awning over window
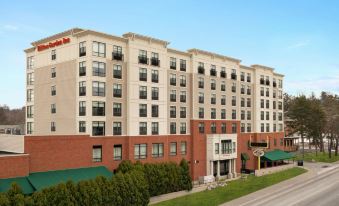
<point>244,156</point>
<point>276,155</point>
<point>39,180</point>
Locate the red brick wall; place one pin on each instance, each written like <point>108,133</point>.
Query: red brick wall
<point>14,166</point>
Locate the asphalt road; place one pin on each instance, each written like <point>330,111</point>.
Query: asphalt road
<point>320,190</point>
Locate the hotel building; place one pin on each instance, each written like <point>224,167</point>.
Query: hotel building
<point>96,99</point>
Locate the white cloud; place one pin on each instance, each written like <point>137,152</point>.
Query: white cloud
<point>326,83</point>
<point>299,44</point>
<point>9,27</point>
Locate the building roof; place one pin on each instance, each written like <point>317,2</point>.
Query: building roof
<point>40,180</point>
<point>194,50</point>
<point>147,38</point>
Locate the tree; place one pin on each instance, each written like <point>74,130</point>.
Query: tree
<point>15,195</point>
<point>4,201</point>
<point>186,180</point>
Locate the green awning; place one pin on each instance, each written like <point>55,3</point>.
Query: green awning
<point>41,180</point>
<point>244,156</point>
<point>276,155</point>
<point>23,183</point>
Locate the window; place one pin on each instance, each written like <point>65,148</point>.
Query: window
<point>182,127</point>
<point>267,127</point>
<point>213,84</point>
<point>173,63</point>
<point>142,110</point>
<point>201,82</point>
<point>82,108</point>
<point>223,100</point>
<point>248,102</point>
<point>97,153</point>
<point>280,105</point>
<point>234,114</point>
<point>262,103</point>
<point>173,79</point>
<point>53,108</point>
<point>274,127</point>
<point>182,80</point>
<point>234,74</point>
<point>280,83</point>
<point>267,104</point>
<point>53,54</point>
<point>280,116</point>
<point>155,59</point>
<point>234,87</point>
<point>155,110</point>
<point>213,71</point>
<point>98,89</point>
<point>213,99</point>
<point>143,128</point>
<point>117,152</point>
<point>216,148</point>
<point>30,78</point>
<point>53,72</point>
<point>248,90</point>
<point>274,93</point>
<point>226,146</point>
<point>248,115</point>
<point>143,74</point>
<point>201,69</point>
<point>173,96</point>
<point>280,128</point>
<point>248,77</point>
<point>30,95</point>
<point>157,150</point>
<point>155,128</point>
<point>223,72</point>
<point>98,108</point>
<point>99,49</point>
<point>117,109</point>
<point>242,115</point>
<point>201,97</point>
<point>213,113</point>
<point>82,88</point>
<point>234,128</point>
<point>155,76</point>
<point>143,92</point>
<point>242,127</point>
<point>117,71</point>
<point>262,115</point>
<point>267,92</point>
<point>223,128</point>
<point>140,151</point>
<point>53,127</point>
<point>99,69</point>
<point>155,93</point>
<point>267,115</point>
<point>213,128</point>
<point>249,129</point>
<point>30,111</point>
<point>274,116</point>
<point>223,86</point>
<point>201,127</point>
<point>82,68</point>
<point>201,112</point>
<point>82,126</point>
<point>117,53</point>
<point>173,128</point>
<point>242,102</point>
<point>182,96</point>
<point>182,65</point>
<point>262,127</point>
<point>242,76</point>
<point>242,89</point>
<point>30,62</point>
<point>30,127</point>
<point>117,90</point>
<point>82,49</point>
<point>143,57</point>
<point>173,148</point>
<point>182,112</point>
<point>53,90</point>
<point>117,128</point>
<point>183,148</point>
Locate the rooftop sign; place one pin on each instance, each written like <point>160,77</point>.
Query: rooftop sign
<point>59,42</point>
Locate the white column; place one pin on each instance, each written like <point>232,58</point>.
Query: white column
<point>234,168</point>
<point>218,169</point>
<point>229,168</point>
<point>211,168</point>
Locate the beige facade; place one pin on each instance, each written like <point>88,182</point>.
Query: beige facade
<point>230,91</point>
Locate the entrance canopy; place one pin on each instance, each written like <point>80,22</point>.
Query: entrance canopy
<point>276,155</point>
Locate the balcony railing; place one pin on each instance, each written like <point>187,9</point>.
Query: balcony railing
<point>117,56</point>
<point>143,60</point>
<point>213,72</point>
<point>155,62</point>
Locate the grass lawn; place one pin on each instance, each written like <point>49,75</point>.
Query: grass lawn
<point>321,157</point>
<point>234,189</point>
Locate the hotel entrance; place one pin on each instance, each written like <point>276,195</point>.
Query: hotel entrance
<point>224,167</point>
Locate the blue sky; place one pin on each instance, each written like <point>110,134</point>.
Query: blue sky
<point>298,38</point>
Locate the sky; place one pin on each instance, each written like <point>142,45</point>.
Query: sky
<point>300,39</point>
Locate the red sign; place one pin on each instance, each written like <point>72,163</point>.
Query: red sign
<point>53,44</point>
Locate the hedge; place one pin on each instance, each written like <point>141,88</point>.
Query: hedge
<point>133,184</point>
